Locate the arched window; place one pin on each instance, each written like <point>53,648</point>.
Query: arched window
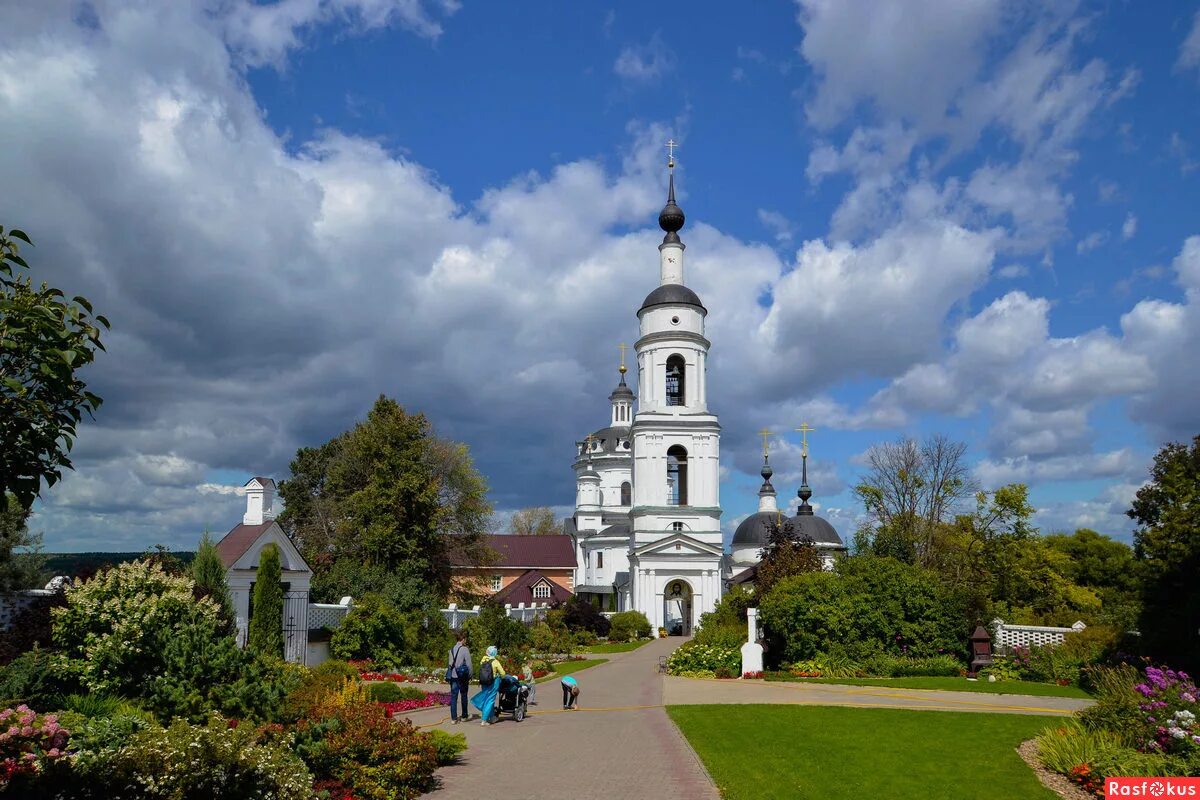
<point>677,476</point>
<point>626,494</point>
<point>675,381</point>
<point>676,526</point>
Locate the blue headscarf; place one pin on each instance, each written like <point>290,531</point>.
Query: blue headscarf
<point>491,651</point>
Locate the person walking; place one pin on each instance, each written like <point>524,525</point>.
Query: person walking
<point>570,689</point>
<point>458,673</point>
<point>527,676</point>
<point>490,673</point>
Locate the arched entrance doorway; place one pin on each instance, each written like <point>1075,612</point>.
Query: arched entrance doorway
<point>677,607</point>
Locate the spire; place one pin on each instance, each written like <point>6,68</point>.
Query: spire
<point>622,397</point>
<point>766,493</point>
<point>671,219</point>
<point>804,492</point>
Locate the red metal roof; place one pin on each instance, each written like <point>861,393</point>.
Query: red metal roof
<point>235,543</point>
<point>521,590</point>
<point>556,551</point>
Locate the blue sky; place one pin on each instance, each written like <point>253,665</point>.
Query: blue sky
<point>962,217</point>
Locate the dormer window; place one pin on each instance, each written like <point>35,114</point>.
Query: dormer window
<point>675,380</point>
<point>541,591</point>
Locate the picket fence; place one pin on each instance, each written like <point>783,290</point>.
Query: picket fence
<point>1005,636</point>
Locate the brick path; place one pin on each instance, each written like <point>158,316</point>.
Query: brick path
<point>586,754</point>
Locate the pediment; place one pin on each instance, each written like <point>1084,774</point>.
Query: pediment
<point>289,556</point>
<point>679,544</point>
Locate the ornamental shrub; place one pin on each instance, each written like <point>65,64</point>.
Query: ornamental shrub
<point>208,572</point>
<point>218,759</point>
<point>391,692</point>
<point>112,629</point>
<point>266,617</point>
<point>578,614</point>
<point>37,678</point>
<point>492,627</point>
<point>315,684</point>
<point>867,605</point>
<point>33,750</point>
<point>627,626</point>
<point>373,630</point>
<point>694,657</point>
<point>449,746</point>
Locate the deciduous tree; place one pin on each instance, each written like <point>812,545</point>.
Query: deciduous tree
<point>537,521</point>
<point>20,561</point>
<point>45,341</point>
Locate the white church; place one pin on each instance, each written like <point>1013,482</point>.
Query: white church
<point>647,521</point>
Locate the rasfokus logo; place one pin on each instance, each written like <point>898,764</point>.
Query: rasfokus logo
<point>1152,787</point>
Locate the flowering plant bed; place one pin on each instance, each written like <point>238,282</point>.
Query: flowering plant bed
<point>757,675</point>
<point>431,700</point>
<point>28,743</point>
<point>417,675</point>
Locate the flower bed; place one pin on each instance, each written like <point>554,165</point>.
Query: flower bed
<point>415,675</point>
<point>430,700</point>
<point>29,744</point>
<point>755,676</point>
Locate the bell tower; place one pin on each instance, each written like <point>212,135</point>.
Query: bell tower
<point>676,512</point>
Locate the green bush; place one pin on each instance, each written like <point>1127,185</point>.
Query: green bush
<point>585,638</point>
<point>213,760</point>
<point>314,688</point>
<point>627,626</point>
<point>492,627</point>
<point>449,746</point>
<point>867,605</point>
<point>886,666</point>
<point>373,630</point>
<point>390,692</point>
<point>266,617</point>
<point>113,626</point>
<point>1117,703</point>
<point>694,657</point>
<point>731,637</point>
<point>38,678</point>
<point>580,615</point>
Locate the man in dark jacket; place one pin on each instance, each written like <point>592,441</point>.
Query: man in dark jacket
<point>458,673</point>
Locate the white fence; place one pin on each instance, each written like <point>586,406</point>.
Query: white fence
<point>1005,636</point>
<point>327,615</point>
<point>457,616</point>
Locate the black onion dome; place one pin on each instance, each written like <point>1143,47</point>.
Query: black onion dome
<point>756,529</point>
<point>816,528</point>
<point>622,391</point>
<point>671,218</point>
<point>672,294</point>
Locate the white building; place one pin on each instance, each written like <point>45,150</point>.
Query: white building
<point>647,522</point>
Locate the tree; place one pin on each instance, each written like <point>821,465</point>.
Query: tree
<point>379,508</point>
<point>1095,560</point>
<point>537,521</point>
<point>1167,545</point>
<point>45,341</point>
<point>18,570</point>
<point>786,554</point>
<point>208,572</point>
<point>266,618</point>
<point>911,488</point>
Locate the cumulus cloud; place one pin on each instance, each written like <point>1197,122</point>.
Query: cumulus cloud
<point>1129,227</point>
<point>645,63</point>
<point>1189,51</point>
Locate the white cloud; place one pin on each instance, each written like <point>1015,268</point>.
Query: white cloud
<point>779,225</point>
<point>1092,241</point>
<point>1024,469</point>
<point>645,63</point>
<point>1129,227</point>
<point>1189,51</point>
<point>1013,271</point>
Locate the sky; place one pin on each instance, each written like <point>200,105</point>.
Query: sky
<point>967,217</point>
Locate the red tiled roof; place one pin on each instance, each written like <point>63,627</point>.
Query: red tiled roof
<point>555,551</point>
<point>521,590</point>
<point>235,543</point>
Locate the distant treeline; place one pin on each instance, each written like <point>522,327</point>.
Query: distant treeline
<point>75,565</point>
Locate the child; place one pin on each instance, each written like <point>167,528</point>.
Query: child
<point>570,689</point>
<point>527,676</point>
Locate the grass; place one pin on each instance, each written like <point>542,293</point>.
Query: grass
<point>568,667</point>
<point>956,685</point>
<point>616,647</point>
<point>772,752</point>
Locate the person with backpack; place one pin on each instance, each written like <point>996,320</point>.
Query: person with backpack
<point>490,673</point>
<point>458,675</point>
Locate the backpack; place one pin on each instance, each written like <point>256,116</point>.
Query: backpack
<point>460,673</point>
<point>486,676</point>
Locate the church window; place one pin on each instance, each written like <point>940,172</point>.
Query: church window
<point>677,476</point>
<point>600,560</point>
<point>496,581</point>
<point>626,493</point>
<point>675,381</point>
<point>541,591</point>
<point>676,526</point>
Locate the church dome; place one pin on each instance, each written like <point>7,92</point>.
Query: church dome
<point>816,528</point>
<point>672,294</point>
<point>755,529</point>
<point>622,392</point>
<point>613,439</point>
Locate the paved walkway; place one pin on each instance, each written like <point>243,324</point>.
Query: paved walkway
<point>588,754</point>
<point>621,744</point>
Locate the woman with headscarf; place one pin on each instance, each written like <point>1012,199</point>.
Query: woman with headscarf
<point>490,673</point>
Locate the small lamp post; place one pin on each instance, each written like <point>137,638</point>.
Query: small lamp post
<point>981,650</point>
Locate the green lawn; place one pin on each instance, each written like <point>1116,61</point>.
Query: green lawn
<point>773,752</point>
<point>616,647</point>
<point>568,667</point>
<point>956,685</point>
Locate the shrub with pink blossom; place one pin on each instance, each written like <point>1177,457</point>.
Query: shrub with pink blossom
<point>1169,705</point>
<point>30,745</point>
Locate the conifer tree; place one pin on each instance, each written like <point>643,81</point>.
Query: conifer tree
<point>266,620</point>
<point>208,573</point>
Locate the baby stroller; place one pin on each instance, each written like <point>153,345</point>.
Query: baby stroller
<point>512,698</point>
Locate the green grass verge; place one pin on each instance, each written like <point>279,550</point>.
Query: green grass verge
<point>616,647</point>
<point>824,753</point>
<point>956,685</point>
<point>568,667</point>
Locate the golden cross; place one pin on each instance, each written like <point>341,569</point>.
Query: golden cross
<point>671,145</point>
<point>623,347</point>
<point>765,434</point>
<point>804,430</point>
<point>590,439</point>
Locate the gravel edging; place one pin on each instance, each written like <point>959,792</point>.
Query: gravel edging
<point>1028,751</point>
